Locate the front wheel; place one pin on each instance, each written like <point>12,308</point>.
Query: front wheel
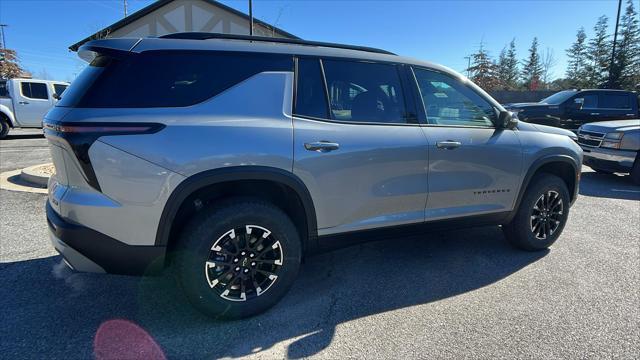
<point>238,259</point>
<point>542,214</point>
<point>4,128</point>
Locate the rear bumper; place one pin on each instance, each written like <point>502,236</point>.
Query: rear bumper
<point>87,250</point>
<point>609,159</point>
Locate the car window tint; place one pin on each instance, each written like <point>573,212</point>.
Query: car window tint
<point>590,101</point>
<point>364,92</point>
<point>34,90</point>
<point>59,88</point>
<point>166,78</point>
<point>4,92</point>
<point>615,101</point>
<point>311,98</point>
<point>447,101</point>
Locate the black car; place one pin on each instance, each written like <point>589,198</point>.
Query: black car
<point>570,109</point>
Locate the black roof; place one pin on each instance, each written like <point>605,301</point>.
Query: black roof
<point>160,3</point>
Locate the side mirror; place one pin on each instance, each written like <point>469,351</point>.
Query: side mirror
<point>56,96</point>
<point>577,103</point>
<point>507,119</point>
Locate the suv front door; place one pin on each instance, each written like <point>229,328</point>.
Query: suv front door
<point>361,156</point>
<point>474,167</point>
<point>33,101</point>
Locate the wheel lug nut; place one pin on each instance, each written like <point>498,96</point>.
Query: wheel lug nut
<point>253,263</point>
<point>243,253</point>
<point>237,268</point>
<point>246,271</point>
<point>235,260</point>
<point>251,255</point>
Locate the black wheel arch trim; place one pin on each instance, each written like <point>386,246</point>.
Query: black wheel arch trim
<point>533,169</point>
<point>237,173</point>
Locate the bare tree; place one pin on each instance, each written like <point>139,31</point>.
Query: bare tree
<point>548,62</point>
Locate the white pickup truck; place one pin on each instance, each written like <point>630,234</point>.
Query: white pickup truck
<point>23,102</point>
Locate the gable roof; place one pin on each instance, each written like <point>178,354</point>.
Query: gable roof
<point>160,3</point>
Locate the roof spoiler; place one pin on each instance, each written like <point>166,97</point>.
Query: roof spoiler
<point>91,49</point>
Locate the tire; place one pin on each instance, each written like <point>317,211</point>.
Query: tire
<point>635,170</point>
<point>4,128</point>
<point>526,233</point>
<point>218,235</point>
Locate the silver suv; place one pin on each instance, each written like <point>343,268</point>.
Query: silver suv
<point>228,159</point>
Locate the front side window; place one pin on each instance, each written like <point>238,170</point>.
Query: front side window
<point>364,92</point>
<point>590,101</point>
<point>34,90</point>
<point>4,92</point>
<point>311,99</point>
<point>447,101</point>
<point>615,101</point>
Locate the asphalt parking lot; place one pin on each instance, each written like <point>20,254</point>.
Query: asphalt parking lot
<point>460,294</point>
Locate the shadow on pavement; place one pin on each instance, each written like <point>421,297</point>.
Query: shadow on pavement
<point>38,135</point>
<point>608,185</point>
<point>47,309</point>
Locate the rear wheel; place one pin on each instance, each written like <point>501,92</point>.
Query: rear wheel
<point>542,214</point>
<point>238,259</point>
<point>4,128</point>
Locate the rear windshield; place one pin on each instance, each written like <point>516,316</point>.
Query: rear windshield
<point>165,78</point>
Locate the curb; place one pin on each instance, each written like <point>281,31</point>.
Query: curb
<point>31,175</point>
<point>11,180</point>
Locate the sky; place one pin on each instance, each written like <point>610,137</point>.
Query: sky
<point>443,32</point>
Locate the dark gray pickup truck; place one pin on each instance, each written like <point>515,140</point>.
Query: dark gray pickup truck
<point>570,109</point>
<point>612,146</point>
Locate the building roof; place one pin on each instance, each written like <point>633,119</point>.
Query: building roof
<point>160,3</point>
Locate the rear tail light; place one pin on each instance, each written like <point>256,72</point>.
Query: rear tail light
<point>80,137</point>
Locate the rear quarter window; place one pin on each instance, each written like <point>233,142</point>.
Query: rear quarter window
<point>166,78</point>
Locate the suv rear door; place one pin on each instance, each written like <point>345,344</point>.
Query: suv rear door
<point>474,167</point>
<point>615,105</point>
<point>363,155</point>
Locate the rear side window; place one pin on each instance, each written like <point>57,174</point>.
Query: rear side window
<point>34,90</point>
<point>615,101</point>
<point>311,98</point>
<point>165,78</point>
<point>364,92</point>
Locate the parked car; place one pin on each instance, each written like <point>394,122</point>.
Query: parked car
<point>24,102</point>
<point>228,161</point>
<point>570,109</point>
<point>612,146</point>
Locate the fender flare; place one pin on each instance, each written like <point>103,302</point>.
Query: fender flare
<point>237,173</point>
<point>536,165</point>
<point>6,111</point>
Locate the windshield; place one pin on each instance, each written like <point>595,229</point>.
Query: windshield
<point>558,98</point>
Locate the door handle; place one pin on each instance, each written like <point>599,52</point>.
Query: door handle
<point>322,146</point>
<point>23,102</point>
<point>449,144</point>
<point>595,113</point>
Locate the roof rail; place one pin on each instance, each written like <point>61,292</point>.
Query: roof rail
<point>206,36</point>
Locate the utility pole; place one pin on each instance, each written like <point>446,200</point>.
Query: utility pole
<point>613,48</point>
<point>125,8</point>
<point>468,65</point>
<point>251,17</point>
<point>4,44</point>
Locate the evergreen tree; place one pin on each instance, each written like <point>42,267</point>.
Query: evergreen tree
<point>577,60</point>
<point>507,67</point>
<point>626,68</point>
<point>532,68</point>
<point>598,56</point>
<point>483,71</point>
